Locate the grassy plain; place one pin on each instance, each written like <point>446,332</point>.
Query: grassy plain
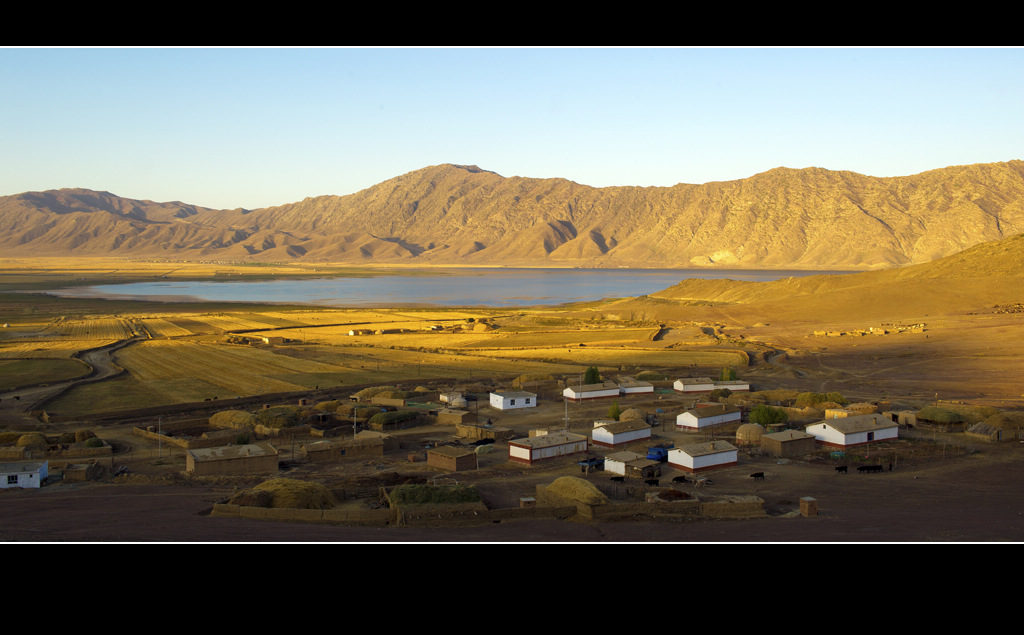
<point>190,352</point>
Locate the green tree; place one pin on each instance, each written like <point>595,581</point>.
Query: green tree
<point>614,412</point>
<point>766,415</point>
<point>728,374</point>
<point>592,376</point>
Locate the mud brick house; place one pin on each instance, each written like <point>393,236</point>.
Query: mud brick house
<point>250,458</point>
<point>452,459</point>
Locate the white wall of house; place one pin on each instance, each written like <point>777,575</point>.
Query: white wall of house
<point>603,436</point>
<point>824,433</point>
<point>689,420</point>
<point>513,400</point>
<point>679,459</point>
<point>26,476</point>
<point>701,387</point>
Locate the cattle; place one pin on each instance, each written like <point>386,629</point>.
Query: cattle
<point>841,469</point>
<point>867,469</point>
<point>679,479</point>
<point>757,476</point>
<point>653,482</point>
<point>618,479</point>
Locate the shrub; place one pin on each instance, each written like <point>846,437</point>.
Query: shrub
<point>94,443</point>
<point>766,415</point>
<point>614,412</point>
<point>592,376</point>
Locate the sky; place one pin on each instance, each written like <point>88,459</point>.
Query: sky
<point>258,127</point>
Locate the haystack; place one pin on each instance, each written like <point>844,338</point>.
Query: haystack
<point>328,406</point>
<point>32,439</point>
<point>578,490</point>
<point>630,414</point>
<point>232,419</point>
<point>287,493</point>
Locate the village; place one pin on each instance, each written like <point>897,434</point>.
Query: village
<point>618,448</point>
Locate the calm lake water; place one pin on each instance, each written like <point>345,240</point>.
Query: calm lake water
<point>473,287</point>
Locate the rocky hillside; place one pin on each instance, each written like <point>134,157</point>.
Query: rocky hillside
<point>449,214</point>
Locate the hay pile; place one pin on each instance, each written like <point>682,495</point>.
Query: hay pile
<point>328,406</point>
<point>577,489</point>
<point>233,419</point>
<point>434,495</point>
<point>278,417</point>
<point>1010,420</point>
<point>630,414</point>
<point>369,393</point>
<point>32,439</point>
<point>286,493</point>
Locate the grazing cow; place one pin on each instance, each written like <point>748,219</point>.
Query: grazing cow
<point>757,476</point>
<point>841,469</point>
<point>653,482</point>
<point>618,479</point>
<point>679,479</point>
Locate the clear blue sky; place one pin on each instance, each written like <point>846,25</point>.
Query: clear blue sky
<point>254,127</point>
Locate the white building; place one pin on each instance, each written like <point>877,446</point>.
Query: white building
<point>735,385</point>
<point>631,386</point>
<point>591,391</point>
<point>546,446</point>
<point>694,384</point>
<point>857,430</point>
<point>711,415</point>
<point>620,433</point>
<point>700,457</point>
<point>31,474</point>
<point>511,400</point>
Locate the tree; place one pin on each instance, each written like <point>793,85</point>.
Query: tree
<point>728,374</point>
<point>614,412</point>
<point>592,376</point>
<point>766,415</point>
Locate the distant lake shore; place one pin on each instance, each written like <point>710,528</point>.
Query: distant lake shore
<point>473,287</point>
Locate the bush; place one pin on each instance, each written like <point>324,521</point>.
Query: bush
<point>614,412</point>
<point>766,415</point>
<point>94,443</point>
<point>592,376</point>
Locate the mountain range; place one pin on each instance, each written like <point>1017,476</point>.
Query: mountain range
<point>809,218</point>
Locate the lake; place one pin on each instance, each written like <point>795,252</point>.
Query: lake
<point>504,287</point>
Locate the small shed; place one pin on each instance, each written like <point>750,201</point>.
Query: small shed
<point>546,446</point>
<point>694,384</point>
<point>592,391</point>
<point>620,433</point>
<point>513,399</point>
<point>30,474</point>
<point>788,443</point>
<point>711,415</point>
<point>632,465</point>
<point>451,416</point>
<point>856,430</point>
<point>249,458</point>
<point>633,386</point>
<point>701,457</point>
<point>451,458</point>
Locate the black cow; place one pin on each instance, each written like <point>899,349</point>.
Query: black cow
<point>867,469</point>
<point>653,482</point>
<point>757,476</point>
<point>679,479</point>
<point>618,479</point>
<point>841,469</point>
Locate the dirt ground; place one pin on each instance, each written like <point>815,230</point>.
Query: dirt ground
<point>943,488</point>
